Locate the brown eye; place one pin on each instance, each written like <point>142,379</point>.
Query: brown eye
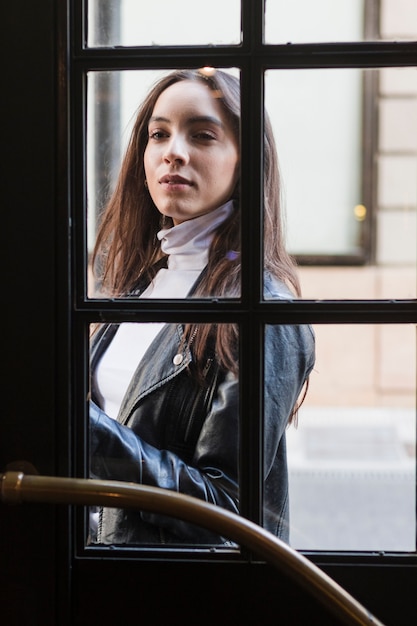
<point>205,135</point>
<point>157,134</point>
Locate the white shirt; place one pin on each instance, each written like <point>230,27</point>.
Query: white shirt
<point>187,245</point>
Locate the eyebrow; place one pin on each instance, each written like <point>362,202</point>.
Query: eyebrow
<point>191,120</point>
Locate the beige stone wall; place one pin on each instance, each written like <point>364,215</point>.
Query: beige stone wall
<point>362,365</point>
<point>374,365</point>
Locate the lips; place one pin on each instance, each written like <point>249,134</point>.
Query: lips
<point>174,179</point>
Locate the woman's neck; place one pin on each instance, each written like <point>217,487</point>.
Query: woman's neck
<point>187,244</point>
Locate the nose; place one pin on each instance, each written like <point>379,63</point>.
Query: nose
<point>176,150</point>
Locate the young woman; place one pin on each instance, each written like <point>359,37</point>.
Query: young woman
<point>165,397</point>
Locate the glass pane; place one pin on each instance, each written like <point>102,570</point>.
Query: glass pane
<point>168,418</point>
<point>348,164</point>
<point>303,21</point>
<point>163,23</point>
<point>352,457</point>
<point>140,192</point>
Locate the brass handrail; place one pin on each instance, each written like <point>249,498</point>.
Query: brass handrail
<point>17,487</point>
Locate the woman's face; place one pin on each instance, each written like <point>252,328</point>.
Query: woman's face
<point>192,157</point>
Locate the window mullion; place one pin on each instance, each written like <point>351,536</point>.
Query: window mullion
<point>251,330</point>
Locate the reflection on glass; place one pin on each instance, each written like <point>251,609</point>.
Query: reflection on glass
<point>352,457</point>
<point>163,184</point>
<point>348,166</point>
<point>164,412</point>
<point>163,23</point>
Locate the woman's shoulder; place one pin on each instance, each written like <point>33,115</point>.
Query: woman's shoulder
<point>276,289</point>
<point>300,335</point>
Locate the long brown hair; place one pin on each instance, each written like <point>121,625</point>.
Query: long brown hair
<point>127,247</point>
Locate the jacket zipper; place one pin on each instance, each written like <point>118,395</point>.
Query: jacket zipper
<point>196,403</point>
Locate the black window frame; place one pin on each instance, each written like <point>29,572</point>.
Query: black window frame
<point>253,57</point>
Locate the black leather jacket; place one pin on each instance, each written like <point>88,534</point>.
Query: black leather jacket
<point>174,433</point>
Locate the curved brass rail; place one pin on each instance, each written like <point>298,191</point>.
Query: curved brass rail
<point>17,487</point>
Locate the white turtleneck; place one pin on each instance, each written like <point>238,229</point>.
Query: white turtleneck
<point>187,247</point>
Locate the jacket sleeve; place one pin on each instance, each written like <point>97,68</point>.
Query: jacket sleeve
<point>118,453</point>
<point>288,360</point>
